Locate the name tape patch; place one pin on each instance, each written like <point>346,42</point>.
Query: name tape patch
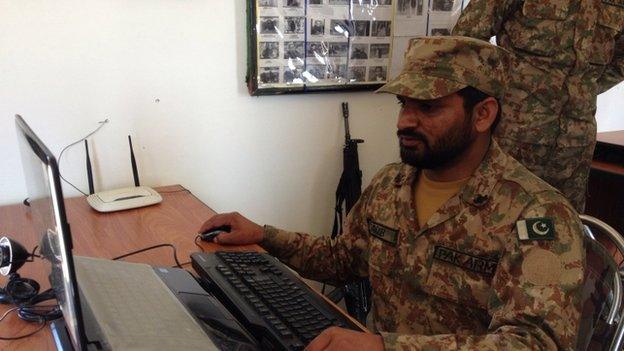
<point>541,228</point>
<point>482,265</point>
<point>383,232</point>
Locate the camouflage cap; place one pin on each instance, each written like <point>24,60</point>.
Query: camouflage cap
<point>441,65</point>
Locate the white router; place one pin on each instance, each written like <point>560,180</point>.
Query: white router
<point>124,198</point>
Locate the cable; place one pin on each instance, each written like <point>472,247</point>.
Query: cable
<point>33,255</point>
<point>196,244</point>
<point>43,324</point>
<point>42,321</point>
<point>175,254</point>
<point>30,258</point>
<point>38,313</point>
<point>102,123</point>
<point>7,313</point>
<point>200,247</point>
<point>32,311</point>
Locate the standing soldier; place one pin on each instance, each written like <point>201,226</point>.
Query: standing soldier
<point>564,53</point>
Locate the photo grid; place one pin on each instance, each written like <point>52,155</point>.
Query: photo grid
<point>281,30</point>
<point>443,16</point>
<point>340,41</point>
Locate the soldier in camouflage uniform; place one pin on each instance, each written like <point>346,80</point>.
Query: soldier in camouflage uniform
<point>498,266</point>
<point>564,53</point>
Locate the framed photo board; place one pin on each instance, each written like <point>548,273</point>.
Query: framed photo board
<point>297,46</point>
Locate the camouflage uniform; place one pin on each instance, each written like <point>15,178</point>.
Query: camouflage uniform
<point>499,266</point>
<point>464,280</point>
<point>564,53</point>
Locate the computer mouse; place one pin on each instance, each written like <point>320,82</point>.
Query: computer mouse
<point>212,233</point>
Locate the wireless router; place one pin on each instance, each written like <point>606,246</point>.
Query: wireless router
<point>124,198</point>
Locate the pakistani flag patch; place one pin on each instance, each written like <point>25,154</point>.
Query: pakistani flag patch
<point>542,228</point>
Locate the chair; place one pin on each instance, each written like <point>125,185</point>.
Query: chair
<point>601,322</point>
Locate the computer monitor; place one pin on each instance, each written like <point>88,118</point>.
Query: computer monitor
<point>48,215</point>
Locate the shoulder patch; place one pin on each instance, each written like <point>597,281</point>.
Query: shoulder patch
<point>534,263</point>
<point>540,228</point>
<point>383,232</point>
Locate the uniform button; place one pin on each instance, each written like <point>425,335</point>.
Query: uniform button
<point>480,199</point>
<point>398,179</point>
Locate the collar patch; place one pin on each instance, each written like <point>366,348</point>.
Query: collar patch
<point>380,231</point>
<point>540,228</point>
<point>482,265</point>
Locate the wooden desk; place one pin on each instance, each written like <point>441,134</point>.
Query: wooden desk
<point>174,221</point>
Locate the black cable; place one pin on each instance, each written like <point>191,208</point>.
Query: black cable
<point>36,313</point>
<point>175,254</point>
<point>102,123</point>
<point>33,255</point>
<point>8,338</point>
<point>30,258</point>
<point>201,248</point>
<point>196,244</point>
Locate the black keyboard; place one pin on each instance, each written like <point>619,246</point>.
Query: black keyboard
<point>273,304</point>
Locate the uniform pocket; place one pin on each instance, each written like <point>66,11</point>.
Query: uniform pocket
<point>546,9</point>
<point>610,24</point>
<point>383,256</point>
<point>612,14</point>
<point>382,269</point>
<point>461,277</point>
<point>540,28</point>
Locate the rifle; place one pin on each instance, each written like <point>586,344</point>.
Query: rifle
<point>350,184</point>
<point>357,294</point>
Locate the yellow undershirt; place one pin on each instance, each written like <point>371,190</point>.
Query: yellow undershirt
<point>430,195</point>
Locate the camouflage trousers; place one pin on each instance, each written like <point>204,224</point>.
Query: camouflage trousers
<point>565,168</point>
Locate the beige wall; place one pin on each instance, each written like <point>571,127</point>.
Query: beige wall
<point>64,65</point>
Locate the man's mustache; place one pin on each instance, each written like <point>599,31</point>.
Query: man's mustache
<point>410,133</point>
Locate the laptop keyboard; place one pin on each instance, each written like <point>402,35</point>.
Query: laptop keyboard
<point>134,308</point>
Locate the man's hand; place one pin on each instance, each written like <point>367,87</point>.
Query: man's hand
<point>340,339</point>
<point>242,232</point>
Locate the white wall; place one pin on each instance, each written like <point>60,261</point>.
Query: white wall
<point>610,113</point>
<point>64,65</point>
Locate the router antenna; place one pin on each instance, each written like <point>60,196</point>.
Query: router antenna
<point>135,172</point>
<point>89,171</point>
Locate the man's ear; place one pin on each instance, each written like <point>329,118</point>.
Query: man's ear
<point>484,114</point>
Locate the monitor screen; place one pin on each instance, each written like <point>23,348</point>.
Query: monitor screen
<point>48,216</point>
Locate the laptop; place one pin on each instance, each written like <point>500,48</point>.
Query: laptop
<point>115,305</point>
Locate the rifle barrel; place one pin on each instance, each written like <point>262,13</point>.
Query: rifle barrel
<point>345,115</point>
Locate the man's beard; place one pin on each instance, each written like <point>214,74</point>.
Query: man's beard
<point>443,152</point>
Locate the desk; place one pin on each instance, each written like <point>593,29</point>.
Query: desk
<point>175,221</point>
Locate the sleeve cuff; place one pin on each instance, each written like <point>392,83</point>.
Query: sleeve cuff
<point>274,239</point>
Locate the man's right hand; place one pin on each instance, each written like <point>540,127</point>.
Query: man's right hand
<point>242,232</point>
